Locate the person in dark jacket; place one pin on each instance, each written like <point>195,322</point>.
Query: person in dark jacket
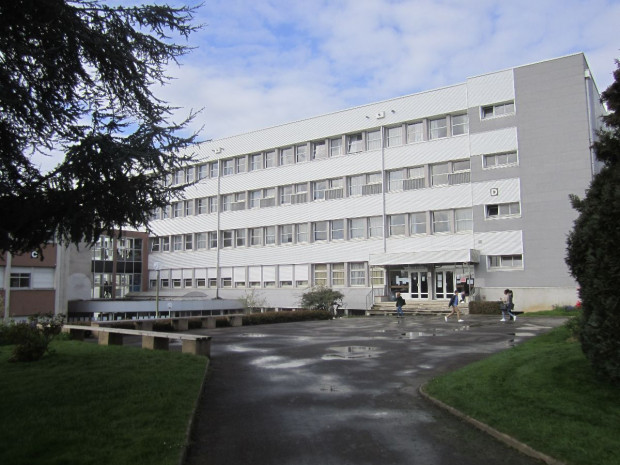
<point>399,304</point>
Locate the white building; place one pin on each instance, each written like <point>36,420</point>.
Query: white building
<point>463,186</point>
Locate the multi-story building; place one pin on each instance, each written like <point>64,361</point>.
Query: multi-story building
<point>111,269</point>
<point>465,186</point>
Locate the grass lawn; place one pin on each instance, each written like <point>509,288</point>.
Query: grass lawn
<point>90,404</point>
<point>543,393</point>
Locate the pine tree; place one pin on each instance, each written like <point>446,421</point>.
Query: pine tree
<point>77,78</point>
<point>594,247</point>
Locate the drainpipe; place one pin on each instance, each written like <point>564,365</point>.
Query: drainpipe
<point>7,286</point>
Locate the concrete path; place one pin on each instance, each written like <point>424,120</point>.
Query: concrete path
<point>346,392</point>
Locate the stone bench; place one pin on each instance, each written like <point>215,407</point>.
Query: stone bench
<point>196,344</point>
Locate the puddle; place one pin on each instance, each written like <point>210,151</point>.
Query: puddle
<point>415,334</point>
<point>252,335</point>
<point>352,352</point>
<point>280,362</point>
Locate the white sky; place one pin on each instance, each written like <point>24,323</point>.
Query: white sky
<point>259,63</point>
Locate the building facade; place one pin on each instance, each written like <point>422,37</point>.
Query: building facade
<point>111,269</point>
<point>463,187</point>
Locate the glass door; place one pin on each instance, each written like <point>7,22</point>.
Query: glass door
<point>444,284</point>
<point>419,285</point>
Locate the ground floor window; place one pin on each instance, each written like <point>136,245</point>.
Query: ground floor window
<point>357,274</point>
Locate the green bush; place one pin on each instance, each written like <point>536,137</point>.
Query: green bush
<point>484,307</point>
<point>32,338</point>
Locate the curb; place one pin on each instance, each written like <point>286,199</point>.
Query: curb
<point>505,438</point>
<point>192,420</point>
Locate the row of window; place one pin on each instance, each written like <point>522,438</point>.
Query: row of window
<point>441,221</point>
<point>354,274</point>
<point>402,179</point>
<point>405,133</point>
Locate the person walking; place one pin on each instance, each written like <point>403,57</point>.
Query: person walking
<point>454,304</point>
<point>399,305</point>
<point>507,305</point>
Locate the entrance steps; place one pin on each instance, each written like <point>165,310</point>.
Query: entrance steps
<point>414,307</point>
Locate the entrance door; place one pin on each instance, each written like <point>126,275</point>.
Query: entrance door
<point>419,285</point>
<point>444,284</point>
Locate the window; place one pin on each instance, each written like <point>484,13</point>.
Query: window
<point>463,219</point>
<point>357,228</point>
<point>337,230</point>
<point>227,201</point>
<point>213,240</point>
<point>214,169</point>
<point>256,236</point>
<point>270,159</point>
<point>189,207</point>
<point>417,223</point>
<point>319,231</point>
<point>302,232</point>
<point>378,277</point>
<point>189,241</point>
<point>240,238</point>
<point>395,180</point>
<point>397,225</point>
<point>201,240</point>
<point>202,206</point>
<point>176,282</point>
<point>503,210</point>
<point>255,197</point>
<point>460,172</point>
<point>318,190</point>
<point>188,282</point>
<point>203,171</point>
<point>179,176</point>
<point>439,174</point>
<point>212,204</point>
<point>355,143</point>
<point>338,274</point>
<point>494,111</point>
<point>319,275</point>
<point>505,261</point>
<point>438,128</point>
<point>177,210</point>
<point>241,164</point>
<point>286,192</point>
<point>189,175</point>
<point>256,162</point>
<point>228,167</point>
<point>415,178</point>
<point>500,159</point>
<point>286,234</point>
<point>201,282</point>
<point>227,238</point>
<point>373,140</point>
<point>441,221</point>
<point>357,274</point>
<point>165,244</point>
<point>460,124</point>
<point>287,156</point>
<point>394,136</point>
<point>154,242</point>
<point>177,243</point>
<point>335,147</point>
<point>375,226</point>
<point>302,153</point>
<point>20,280</point>
<point>415,132</point>
<point>270,235</point>
<point>319,150</point>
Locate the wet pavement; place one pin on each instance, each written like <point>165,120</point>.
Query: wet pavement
<point>346,392</point>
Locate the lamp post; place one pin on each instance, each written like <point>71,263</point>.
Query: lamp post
<point>156,265</point>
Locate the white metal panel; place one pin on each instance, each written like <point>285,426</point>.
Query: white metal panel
<point>496,191</point>
<point>226,272</point>
<point>285,272</point>
<point>491,88</point>
<point>200,273</point>
<point>435,151</point>
<point>239,273</point>
<point>430,256</point>
<point>434,198</point>
<point>212,273</point>
<point>269,273</point>
<point>42,278</point>
<point>254,273</point>
<point>502,140</point>
<point>176,274</point>
<point>500,242</point>
<point>301,272</point>
<point>188,273</point>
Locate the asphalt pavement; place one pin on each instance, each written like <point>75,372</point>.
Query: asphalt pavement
<point>345,392</point>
